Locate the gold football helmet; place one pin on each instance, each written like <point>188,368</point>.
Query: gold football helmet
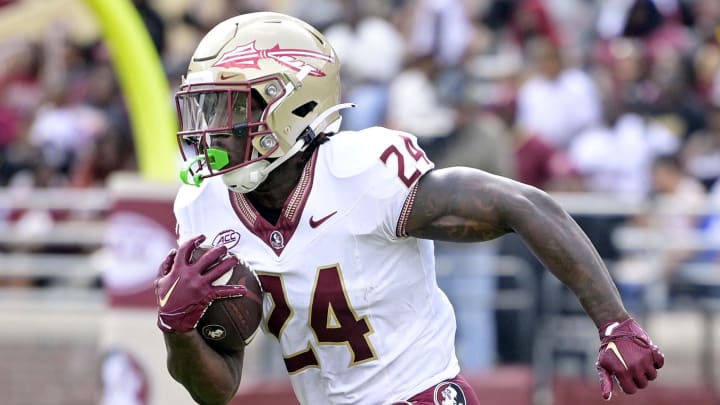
<point>269,78</point>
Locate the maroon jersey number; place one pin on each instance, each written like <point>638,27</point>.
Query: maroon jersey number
<point>333,320</point>
<point>413,151</point>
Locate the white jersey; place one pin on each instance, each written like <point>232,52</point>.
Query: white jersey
<point>352,300</point>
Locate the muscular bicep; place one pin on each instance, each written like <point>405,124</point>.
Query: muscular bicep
<point>464,205</point>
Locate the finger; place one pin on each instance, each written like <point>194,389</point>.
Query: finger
<point>640,380</point>
<point>651,373</point>
<point>658,357</point>
<point>187,248</point>
<point>210,257</point>
<point>226,291</point>
<point>626,382</point>
<point>606,383</point>
<point>167,263</point>
<point>219,269</point>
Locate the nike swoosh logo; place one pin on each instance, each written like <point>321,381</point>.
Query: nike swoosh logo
<point>225,76</point>
<point>612,346</point>
<point>165,299</point>
<point>315,223</point>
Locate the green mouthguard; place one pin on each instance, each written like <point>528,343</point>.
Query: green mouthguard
<point>217,160</point>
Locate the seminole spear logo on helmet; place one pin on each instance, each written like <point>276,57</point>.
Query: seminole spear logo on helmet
<point>247,56</point>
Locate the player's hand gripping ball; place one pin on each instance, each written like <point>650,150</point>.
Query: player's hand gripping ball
<point>230,323</point>
<point>209,290</point>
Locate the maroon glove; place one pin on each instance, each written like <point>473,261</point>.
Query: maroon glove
<point>628,356</point>
<point>184,289</point>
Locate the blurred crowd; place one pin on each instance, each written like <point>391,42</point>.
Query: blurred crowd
<point>563,95</point>
<point>566,95</point>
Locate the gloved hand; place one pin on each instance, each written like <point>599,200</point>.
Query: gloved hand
<point>184,289</point>
<point>627,357</point>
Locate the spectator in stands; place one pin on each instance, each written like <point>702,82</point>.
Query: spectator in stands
<point>701,153</point>
<point>711,233</point>
<point>669,233</point>
<point>557,101</point>
<point>442,29</point>
<point>530,21</point>
<point>705,15</point>
<point>688,227</point>
<point>62,129</point>
<point>108,153</point>
<point>658,25</point>
<point>681,193</point>
<point>706,71</point>
<point>542,164</point>
<point>616,156</point>
<point>372,51</point>
<point>21,91</point>
<point>426,117</point>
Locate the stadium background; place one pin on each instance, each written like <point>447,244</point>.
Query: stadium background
<point>617,117</point>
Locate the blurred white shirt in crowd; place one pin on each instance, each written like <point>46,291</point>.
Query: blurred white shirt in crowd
<point>64,132</point>
<point>557,110</point>
<point>413,106</point>
<point>374,51</point>
<point>617,160</point>
<point>442,28</point>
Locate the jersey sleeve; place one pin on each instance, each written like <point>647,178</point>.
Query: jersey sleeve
<point>401,163</point>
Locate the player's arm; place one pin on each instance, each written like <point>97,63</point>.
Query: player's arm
<point>209,377</point>
<point>184,289</point>
<point>463,205</point>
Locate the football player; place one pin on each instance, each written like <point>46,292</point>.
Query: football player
<point>339,227</point>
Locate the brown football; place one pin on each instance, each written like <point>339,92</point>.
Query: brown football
<point>230,323</point>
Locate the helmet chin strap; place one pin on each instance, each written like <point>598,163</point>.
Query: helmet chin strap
<point>247,178</point>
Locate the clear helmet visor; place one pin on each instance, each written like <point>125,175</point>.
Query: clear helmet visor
<point>212,110</point>
<point>233,114</point>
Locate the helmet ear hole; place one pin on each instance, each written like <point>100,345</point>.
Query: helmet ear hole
<point>305,109</point>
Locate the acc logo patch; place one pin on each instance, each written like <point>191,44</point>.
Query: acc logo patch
<point>449,393</point>
<point>214,332</point>
<point>228,237</point>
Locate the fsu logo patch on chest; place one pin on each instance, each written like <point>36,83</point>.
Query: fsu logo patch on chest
<point>276,240</point>
<point>449,393</point>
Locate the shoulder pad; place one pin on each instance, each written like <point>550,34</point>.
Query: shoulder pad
<point>350,153</point>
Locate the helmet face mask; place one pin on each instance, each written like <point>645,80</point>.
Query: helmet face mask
<point>255,83</point>
<point>235,113</point>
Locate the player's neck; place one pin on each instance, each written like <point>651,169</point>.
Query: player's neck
<point>274,191</point>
